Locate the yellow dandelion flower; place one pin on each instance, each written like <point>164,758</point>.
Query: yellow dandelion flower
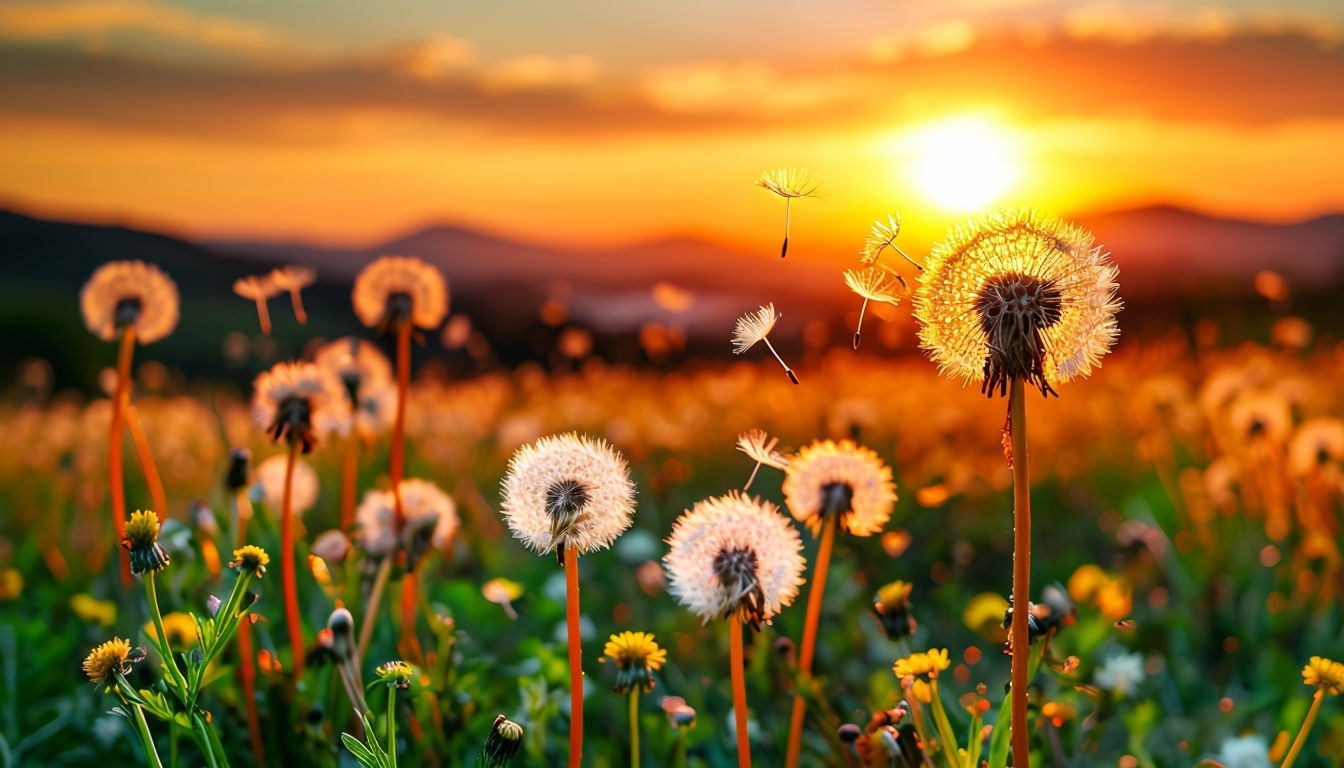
<point>400,289</point>
<point>11,584</point>
<point>179,627</point>
<point>929,663</point>
<point>1017,295</point>
<point>892,606</point>
<point>921,691</point>
<point>129,293</point>
<point>89,608</point>
<point>1317,443</point>
<point>637,657</point>
<point>258,288</point>
<point>397,674</point>
<point>844,479</point>
<point>142,541</point>
<point>788,183</point>
<point>734,554</point>
<point>1324,674</point>
<point>568,491</point>
<point>250,558</point>
<point>299,403</point>
<point>753,328</point>
<point>108,660</point>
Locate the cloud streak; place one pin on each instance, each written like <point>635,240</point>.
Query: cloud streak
<point>88,19</point>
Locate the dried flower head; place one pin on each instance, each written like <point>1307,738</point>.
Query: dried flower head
<point>568,491</point>
<point>252,559</point>
<point>395,290</point>
<point>133,294</point>
<point>109,660</point>
<point>754,327</point>
<point>299,403</point>
<point>1015,295</point>
<point>929,664</point>
<point>874,284</point>
<point>843,479</point>
<point>892,606</point>
<point>1324,674</point>
<point>142,541</point>
<point>734,555</point>
<point>259,289</point>
<point>505,741</point>
<point>637,657</point>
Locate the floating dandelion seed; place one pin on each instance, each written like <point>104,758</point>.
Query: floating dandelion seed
<point>754,327</point>
<point>1017,295</point>
<point>761,448</point>
<point>874,284</point>
<point>882,236</point>
<point>789,183</point>
<point>294,279</point>
<point>258,288</point>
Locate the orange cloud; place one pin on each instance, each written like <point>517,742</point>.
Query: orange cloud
<point>40,21</point>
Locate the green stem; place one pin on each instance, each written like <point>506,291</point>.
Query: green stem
<point>1021,642</point>
<point>392,727</point>
<point>634,726</point>
<point>945,733</point>
<point>1301,739</point>
<point>161,643</point>
<point>146,741</point>
<point>172,744</point>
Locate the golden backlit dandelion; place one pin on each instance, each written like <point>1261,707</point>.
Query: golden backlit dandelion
<point>1017,295</point>
<point>753,328</point>
<point>788,183</point>
<point>873,284</point>
<point>395,291</point>
<point>299,403</point>
<point>105,662</point>
<point>293,279</point>
<point>129,294</point>
<point>737,558</point>
<point>1014,299</point>
<point>259,289</point>
<point>761,448</point>
<point>570,495</point>
<point>830,485</point>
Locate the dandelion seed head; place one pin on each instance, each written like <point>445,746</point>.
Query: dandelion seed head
<point>844,479</point>
<point>269,484</point>
<point>300,403</point>
<point>1017,295</point>
<point>426,509</point>
<point>734,554</point>
<point>122,293</point>
<point>1316,444</point>
<point>1121,673</point>
<point>789,182</point>
<point>567,491</point>
<point>399,289</point>
<point>752,327</point>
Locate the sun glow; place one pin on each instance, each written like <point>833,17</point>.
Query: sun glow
<point>963,163</point>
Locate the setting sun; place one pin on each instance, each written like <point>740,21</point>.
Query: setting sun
<point>963,163</point>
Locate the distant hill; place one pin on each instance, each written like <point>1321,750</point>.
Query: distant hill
<point>1176,266</point>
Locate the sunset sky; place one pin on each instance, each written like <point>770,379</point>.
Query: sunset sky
<point>609,121</point>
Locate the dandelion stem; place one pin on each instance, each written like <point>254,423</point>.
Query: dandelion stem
<point>349,477</point>
<point>263,315</point>
<point>287,564</point>
<point>1307,722</point>
<point>371,608</point>
<point>297,301</point>
<point>146,740</point>
<point>739,677</point>
<point>575,657</point>
<point>117,483</point>
<point>397,461</point>
<point>1021,644</point>
<point>161,643</point>
<point>156,495</point>
<point>392,727</point>
<point>785,365</point>
<point>814,597</point>
<point>634,726</point>
<point>410,642</point>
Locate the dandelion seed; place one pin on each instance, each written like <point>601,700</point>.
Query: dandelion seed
<point>788,183</point>
<point>761,448</point>
<point>881,237</point>
<point>259,289</point>
<point>754,327</point>
<point>1016,295</point>
<point>873,284</point>
<point>294,279</point>
<point>122,294</point>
